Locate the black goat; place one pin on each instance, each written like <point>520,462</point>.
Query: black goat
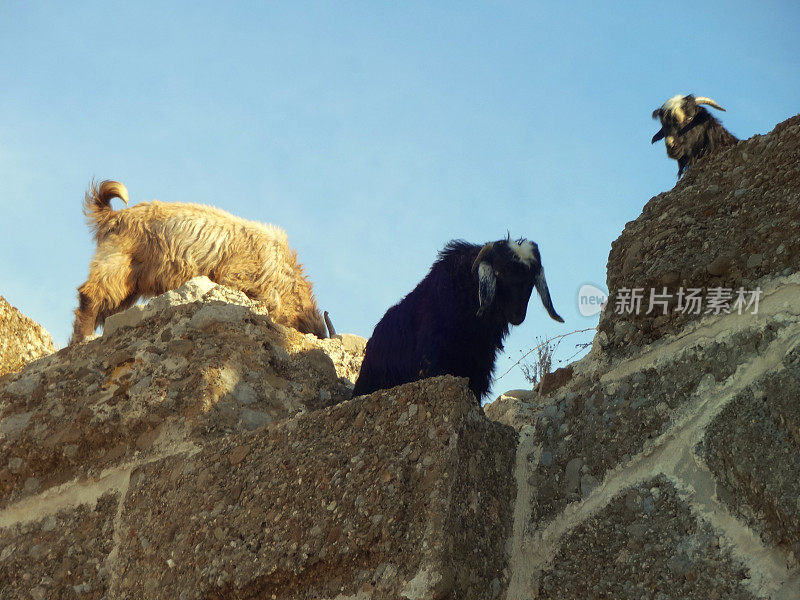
<point>455,320</point>
<point>689,130</point>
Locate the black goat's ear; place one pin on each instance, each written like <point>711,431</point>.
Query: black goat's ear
<point>487,285</point>
<point>658,136</point>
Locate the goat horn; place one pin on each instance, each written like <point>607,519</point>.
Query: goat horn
<point>113,189</point>
<point>329,324</point>
<point>481,255</point>
<point>709,101</point>
<point>544,294</point>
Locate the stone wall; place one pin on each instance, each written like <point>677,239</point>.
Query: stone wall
<point>667,463</point>
<point>198,450</point>
<point>673,474</point>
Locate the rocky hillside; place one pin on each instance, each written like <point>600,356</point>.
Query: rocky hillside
<point>198,450</point>
<point>21,339</point>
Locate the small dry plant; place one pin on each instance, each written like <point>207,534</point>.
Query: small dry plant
<point>540,362</point>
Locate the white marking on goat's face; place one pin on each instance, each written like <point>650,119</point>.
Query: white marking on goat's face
<point>673,102</point>
<point>523,250</point>
<point>675,106</point>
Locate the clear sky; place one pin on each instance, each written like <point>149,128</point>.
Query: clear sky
<point>373,132</point>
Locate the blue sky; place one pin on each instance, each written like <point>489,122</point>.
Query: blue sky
<point>373,132</point>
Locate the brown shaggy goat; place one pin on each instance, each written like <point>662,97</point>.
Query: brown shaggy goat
<point>154,247</point>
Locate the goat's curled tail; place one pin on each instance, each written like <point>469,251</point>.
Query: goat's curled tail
<point>97,203</point>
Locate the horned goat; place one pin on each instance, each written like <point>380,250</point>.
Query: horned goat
<point>154,247</point>
<point>689,131</point>
<point>455,320</point>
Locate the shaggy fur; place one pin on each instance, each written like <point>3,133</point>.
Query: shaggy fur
<point>154,247</point>
<point>455,320</point>
<point>689,131</point>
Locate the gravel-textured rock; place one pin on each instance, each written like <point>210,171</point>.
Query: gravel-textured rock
<point>21,339</point>
<point>644,544</point>
<point>361,496</point>
<point>60,557</point>
<point>753,447</point>
<point>604,425</point>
